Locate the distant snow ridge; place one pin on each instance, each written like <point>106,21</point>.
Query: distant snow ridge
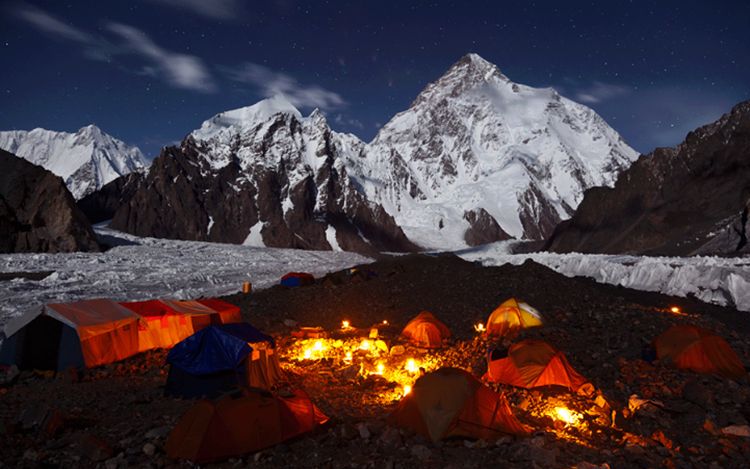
<point>475,140</point>
<point>86,160</point>
<point>718,280</point>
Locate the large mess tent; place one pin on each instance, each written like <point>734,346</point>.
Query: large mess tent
<point>64,335</point>
<point>200,314</point>
<point>510,317</point>
<point>533,363</point>
<point>161,326</point>
<point>236,425</point>
<point>221,358</point>
<point>693,348</point>
<point>451,402</point>
<point>426,331</point>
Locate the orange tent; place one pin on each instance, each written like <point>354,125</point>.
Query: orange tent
<point>510,317</point>
<point>200,315</point>
<point>162,327</point>
<point>693,348</point>
<point>228,312</point>
<point>62,335</point>
<point>427,331</point>
<point>232,426</point>
<point>534,363</point>
<point>452,403</point>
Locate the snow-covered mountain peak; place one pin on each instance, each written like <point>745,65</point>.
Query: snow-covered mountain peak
<point>87,159</point>
<point>475,145</point>
<point>245,117</point>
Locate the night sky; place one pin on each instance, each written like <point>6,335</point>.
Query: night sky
<point>150,71</point>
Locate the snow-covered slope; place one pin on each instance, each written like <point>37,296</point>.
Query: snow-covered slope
<point>475,140</point>
<point>86,159</point>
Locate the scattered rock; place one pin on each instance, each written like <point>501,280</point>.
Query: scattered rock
<point>149,449</point>
<point>737,430</point>
<point>421,452</point>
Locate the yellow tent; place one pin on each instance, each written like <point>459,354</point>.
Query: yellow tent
<point>510,317</point>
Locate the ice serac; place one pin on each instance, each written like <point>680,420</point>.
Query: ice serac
<point>37,212</point>
<point>264,175</point>
<point>692,199</point>
<point>86,160</point>
<point>475,142</point>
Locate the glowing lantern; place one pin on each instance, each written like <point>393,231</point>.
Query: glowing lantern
<point>308,354</point>
<point>381,368</point>
<point>479,327</point>
<point>411,366</point>
<point>385,322</point>
<point>318,346</point>
<point>675,309</point>
<point>365,345</point>
<point>345,324</point>
<point>348,357</point>
<point>567,416</point>
<point>407,389</point>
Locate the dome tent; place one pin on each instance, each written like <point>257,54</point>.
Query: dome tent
<point>534,363</point>
<point>221,358</point>
<point>694,348</point>
<point>235,425</point>
<point>426,331</point>
<point>451,402</point>
<point>511,316</point>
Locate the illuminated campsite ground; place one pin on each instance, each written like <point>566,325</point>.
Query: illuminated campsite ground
<point>601,328</point>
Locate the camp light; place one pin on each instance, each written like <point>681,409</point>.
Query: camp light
<point>365,345</point>
<point>345,324</point>
<point>566,415</point>
<point>479,327</point>
<point>675,309</point>
<point>407,389</point>
<point>411,366</point>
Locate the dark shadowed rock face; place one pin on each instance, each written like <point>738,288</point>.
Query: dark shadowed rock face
<point>483,228</point>
<point>280,183</point>
<point>688,200</point>
<point>102,204</point>
<point>37,212</point>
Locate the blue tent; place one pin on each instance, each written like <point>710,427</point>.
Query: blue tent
<point>221,358</point>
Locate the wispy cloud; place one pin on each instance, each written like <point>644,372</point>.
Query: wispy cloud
<point>270,83</point>
<point>599,91</point>
<point>180,70</point>
<point>43,21</point>
<point>214,9</point>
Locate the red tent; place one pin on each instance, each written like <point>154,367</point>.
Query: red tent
<point>162,327</point>
<point>228,312</point>
<point>533,363</point>
<point>232,426</point>
<point>700,350</point>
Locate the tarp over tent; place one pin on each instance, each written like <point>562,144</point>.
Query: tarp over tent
<point>426,331</point>
<point>297,279</point>
<point>64,335</point>
<point>534,363</point>
<point>233,426</point>
<point>694,348</point>
<point>221,358</point>
<point>162,327</point>
<point>450,402</point>
<point>511,316</point>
